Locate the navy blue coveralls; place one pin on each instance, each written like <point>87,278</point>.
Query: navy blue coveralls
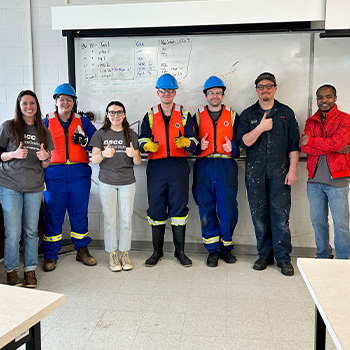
<point>167,178</point>
<point>266,168</point>
<point>67,188</point>
<point>215,185</point>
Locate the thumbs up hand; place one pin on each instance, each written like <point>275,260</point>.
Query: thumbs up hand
<point>204,142</point>
<point>227,146</point>
<point>108,152</point>
<point>42,154</point>
<point>151,145</point>
<point>20,152</point>
<point>182,141</point>
<point>130,151</point>
<point>266,123</point>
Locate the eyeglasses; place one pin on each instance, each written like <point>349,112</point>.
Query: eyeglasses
<point>267,86</point>
<point>68,99</point>
<point>118,113</point>
<point>216,93</point>
<point>163,91</point>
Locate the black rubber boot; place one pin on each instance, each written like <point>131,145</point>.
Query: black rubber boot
<point>179,242</point>
<point>158,241</point>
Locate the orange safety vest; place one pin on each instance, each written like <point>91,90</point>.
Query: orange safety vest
<point>216,131</point>
<point>166,139</point>
<point>77,154</point>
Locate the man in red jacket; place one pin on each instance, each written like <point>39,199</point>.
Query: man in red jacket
<point>326,140</point>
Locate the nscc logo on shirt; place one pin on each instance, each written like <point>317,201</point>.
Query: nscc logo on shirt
<point>29,137</point>
<point>113,142</point>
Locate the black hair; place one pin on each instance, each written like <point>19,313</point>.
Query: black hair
<point>327,86</point>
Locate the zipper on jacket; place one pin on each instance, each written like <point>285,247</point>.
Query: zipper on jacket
<point>167,138</point>
<point>214,124</point>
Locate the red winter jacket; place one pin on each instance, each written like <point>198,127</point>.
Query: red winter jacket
<point>328,139</point>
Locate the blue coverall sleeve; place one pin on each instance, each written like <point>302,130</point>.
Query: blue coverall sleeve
<point>198,149</point>
<point>146,133</point>
<point>190,133</point>
<point>89,130</point>
<point>46,122</point>
<point>294,134</point>
<point>235,148</point>
<point>243,128</point>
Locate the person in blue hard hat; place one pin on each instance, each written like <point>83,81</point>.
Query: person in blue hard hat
<point>215,173</point>
<point>167,134</point>
<point>68,179</point>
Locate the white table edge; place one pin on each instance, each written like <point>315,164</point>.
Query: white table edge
<point>318,305</point>
<point>26,325</point>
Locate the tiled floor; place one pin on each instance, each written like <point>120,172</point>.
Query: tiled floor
<point>171,307</point>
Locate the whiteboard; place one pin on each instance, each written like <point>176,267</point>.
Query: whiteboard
<point>126,69</point>
<point>332,66</point>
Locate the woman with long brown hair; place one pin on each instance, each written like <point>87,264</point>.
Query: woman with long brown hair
<point>25,150</point>
<point>115,148</point>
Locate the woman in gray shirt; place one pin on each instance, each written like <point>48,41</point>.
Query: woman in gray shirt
<point>115,148</point>
<point>25,146</point>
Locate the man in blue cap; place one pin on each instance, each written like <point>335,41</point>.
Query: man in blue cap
<point>167,134</point>
<point>215,173</point>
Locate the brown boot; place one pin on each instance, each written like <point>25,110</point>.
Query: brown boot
<point>13,279</point>
<point>84,256</point>
<point>30,280</point>
<point>49,265</point>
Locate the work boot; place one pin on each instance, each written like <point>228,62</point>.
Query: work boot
<point>262,263</point>
<point>13,279</point>
<point>158,241</point>
<point>126,262</point>
<point>30,280</point>
<point>114,263</point>
<point>287,268</point>
<point>49,265</point>
<point>179,242</point>
<point>228,257</point>
<point>84,256</point>
<point>213,259</point>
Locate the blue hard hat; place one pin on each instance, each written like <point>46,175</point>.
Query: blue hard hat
<point>64,89</point>
<point>212,82</point>
<point>166,81</point>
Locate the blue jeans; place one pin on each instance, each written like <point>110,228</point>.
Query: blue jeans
<point>21,214</point>
<point>338,199</point>
<point>117,199</point>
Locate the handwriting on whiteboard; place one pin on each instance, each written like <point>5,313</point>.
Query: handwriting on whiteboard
<point>109,60</point>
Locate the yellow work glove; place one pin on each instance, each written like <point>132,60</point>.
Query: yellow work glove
<point>182,141</point>
<point>151,146</point>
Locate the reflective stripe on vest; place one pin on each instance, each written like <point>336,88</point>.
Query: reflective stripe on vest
<point>167,142</point>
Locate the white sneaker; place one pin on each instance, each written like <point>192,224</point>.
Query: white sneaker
<point>114,263</point>
<point>126,262</point>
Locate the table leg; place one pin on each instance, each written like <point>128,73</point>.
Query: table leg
<point>320,332</point>
<point>35,341</point>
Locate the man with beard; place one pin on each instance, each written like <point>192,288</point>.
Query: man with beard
<point>269,132</point>
<point>326,140</point>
